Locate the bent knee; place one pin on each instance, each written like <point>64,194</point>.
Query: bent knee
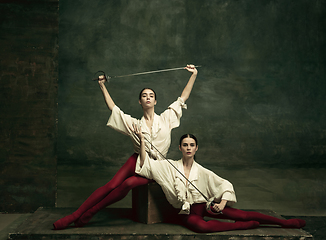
<point>133,182</point>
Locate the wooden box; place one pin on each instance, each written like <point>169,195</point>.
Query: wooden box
<point>149,204</point>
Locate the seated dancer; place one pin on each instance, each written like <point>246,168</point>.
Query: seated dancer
<point>157,128</point>
<point>190,205</point>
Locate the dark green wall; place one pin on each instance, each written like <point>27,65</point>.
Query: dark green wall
<point>260,94</point>
<point>258,102</point>
<point>28,108</point>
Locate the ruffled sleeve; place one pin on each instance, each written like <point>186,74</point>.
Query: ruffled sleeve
<point>120,121</point>
<point>145,170</point>
<point>153,169</point>
<point>220,188</point>
<point>174,112</point>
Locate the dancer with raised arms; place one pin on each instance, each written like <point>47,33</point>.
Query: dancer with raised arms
<point>157,128</point>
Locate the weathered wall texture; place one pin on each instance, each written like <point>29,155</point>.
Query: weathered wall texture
<point>258,106</point>
<point>28,96</point>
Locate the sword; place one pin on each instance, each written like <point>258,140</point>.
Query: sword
<point>141,73</point>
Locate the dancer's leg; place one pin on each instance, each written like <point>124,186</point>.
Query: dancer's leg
<point>116,195</point>
<point>196,222</point>
<point>240,215</point>
<point>127,170</point>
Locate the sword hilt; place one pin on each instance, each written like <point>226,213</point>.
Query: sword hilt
<point>105,76</point>
<point>211,210</point>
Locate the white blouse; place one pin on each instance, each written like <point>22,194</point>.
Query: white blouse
<point>178,192</point>
<point>160,134</point>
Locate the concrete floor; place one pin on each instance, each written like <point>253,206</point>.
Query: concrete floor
<point>10,222</point>
<point>316,225</point>
<point>255,188</point>
<point>113,224</point>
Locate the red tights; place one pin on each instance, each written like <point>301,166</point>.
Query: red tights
<point>243,220</point>
<point>126,179</point>
<point>116,189</point>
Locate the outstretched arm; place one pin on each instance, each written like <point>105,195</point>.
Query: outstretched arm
<point>187,90</point>
<point>108,100</point>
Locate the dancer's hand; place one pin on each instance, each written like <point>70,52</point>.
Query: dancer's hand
<point>219,207</point>
<point>191,68</point>
<point>137,130</point>
<point>101,79</point>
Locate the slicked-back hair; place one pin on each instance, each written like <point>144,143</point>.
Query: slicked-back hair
<point>149,89</point>
<point>188,135</point>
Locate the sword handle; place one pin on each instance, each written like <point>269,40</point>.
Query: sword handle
<point>103,73</point>
<point>106,78</point>
<point>212,204</point>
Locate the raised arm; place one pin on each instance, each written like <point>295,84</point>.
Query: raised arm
<point>108,100</point>
<point>142,152</point>
<point>187,90</point>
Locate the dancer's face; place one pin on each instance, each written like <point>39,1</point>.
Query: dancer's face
<point>147,98</point>
<point>188,147</point>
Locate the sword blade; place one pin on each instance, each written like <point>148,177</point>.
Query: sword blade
<point>150,72</point>
<point>143,73</point>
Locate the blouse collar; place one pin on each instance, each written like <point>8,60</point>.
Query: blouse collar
<point>155,128</point>
<point>193,176</point>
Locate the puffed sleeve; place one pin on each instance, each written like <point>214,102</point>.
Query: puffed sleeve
<point>220,188</point>
<point>120,121</point>
<point>145,170</point>
<point>160,171</point>
<point>174,112</point>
